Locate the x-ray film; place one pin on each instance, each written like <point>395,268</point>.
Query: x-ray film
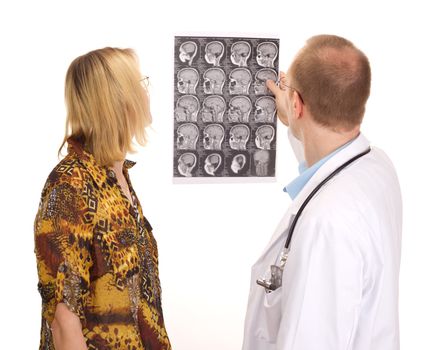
<point>224,116</point>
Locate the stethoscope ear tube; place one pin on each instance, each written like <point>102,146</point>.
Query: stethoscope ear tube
<point>316,189</point>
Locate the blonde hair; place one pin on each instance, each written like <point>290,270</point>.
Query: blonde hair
<point>333,78</point>
<point>107,106</point>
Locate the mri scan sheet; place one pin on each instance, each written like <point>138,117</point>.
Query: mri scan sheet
<point>224,116</point>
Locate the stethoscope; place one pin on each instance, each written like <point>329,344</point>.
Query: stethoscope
<point>275,281</point>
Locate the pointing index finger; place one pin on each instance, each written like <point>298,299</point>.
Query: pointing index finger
<point>272,86</point>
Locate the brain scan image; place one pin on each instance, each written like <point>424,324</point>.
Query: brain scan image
<point>260,81</point>
<point>213,109</point>
<point>187,108</point>
<point>240,53</point>
<point>214,79</point>
<point>265,110</point>
<point>264,136</point>
<point>213,52</point>
<point>187,52</point>
<point>187,136</point>
<point>212,163</point>
<point>239,109</point>
<point>240,81</point>
<point>261,162</point>
<point>239,136</point>
<point>224,117</point>
<point>186,164</point>
<point>267,52</point>
<point>238,163</point>
<point>187,80</point>
<point>213,136</point>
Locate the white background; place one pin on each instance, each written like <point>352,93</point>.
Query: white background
<point>208,235</point>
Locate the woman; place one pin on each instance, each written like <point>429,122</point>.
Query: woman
<point>96,255</point>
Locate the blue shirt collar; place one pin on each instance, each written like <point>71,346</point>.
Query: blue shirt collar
<point>296,186</point>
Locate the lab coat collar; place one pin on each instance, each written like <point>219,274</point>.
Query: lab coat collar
<point>358,145</point>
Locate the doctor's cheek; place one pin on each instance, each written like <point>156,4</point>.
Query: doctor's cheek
<point>282,115</point>
<point>281,102</point>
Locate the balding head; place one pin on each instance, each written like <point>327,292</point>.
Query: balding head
<point>333,77</point>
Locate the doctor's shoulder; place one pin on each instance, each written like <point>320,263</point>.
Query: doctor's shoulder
<point>359,197</point>
<point>365,183</point>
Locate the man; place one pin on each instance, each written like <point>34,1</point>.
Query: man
<point>339,285</point>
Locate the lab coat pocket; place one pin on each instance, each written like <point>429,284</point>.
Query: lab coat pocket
<point>272,305</point>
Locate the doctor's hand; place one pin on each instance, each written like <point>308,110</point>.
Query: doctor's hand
<point>279,90</point>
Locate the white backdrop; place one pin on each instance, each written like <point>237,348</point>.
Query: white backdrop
<point>208,235</point>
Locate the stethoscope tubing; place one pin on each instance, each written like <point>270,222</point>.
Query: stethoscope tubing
<point>316,189</point>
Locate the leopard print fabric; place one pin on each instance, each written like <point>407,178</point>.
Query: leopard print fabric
<point>96,253</point>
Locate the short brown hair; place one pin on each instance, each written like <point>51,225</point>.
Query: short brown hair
<point>107,107</point>
<point>333,78</point>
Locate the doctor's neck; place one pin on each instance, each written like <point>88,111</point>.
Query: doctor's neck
<point>320,141</point>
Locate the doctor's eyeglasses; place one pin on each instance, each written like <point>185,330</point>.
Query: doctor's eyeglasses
<point>280,83</point>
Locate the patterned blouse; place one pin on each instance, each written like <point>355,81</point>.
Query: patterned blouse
<point>96,253</point>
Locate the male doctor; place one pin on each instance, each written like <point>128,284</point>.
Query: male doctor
<point>339,285</point>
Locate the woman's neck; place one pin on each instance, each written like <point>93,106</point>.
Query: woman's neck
<point>117,166</point>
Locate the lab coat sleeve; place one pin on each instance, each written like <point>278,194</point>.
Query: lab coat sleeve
<point>322,287</point>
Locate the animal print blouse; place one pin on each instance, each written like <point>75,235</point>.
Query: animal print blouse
<point>96,253</point>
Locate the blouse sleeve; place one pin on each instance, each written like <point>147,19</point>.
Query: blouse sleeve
<point>63,240</point>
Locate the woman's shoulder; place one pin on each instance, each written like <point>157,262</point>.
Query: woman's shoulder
<point>70,173</point>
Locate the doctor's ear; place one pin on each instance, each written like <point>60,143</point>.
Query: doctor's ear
<point>297,104</point>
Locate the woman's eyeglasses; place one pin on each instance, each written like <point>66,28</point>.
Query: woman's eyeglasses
<point>144,81</point>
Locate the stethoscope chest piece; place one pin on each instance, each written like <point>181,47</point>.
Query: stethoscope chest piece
<point>276,279</point>
<point>274,282</point>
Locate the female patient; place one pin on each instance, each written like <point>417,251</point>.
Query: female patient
<point>96,256</point>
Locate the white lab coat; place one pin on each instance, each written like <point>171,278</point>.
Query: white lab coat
<point>340,283</point>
